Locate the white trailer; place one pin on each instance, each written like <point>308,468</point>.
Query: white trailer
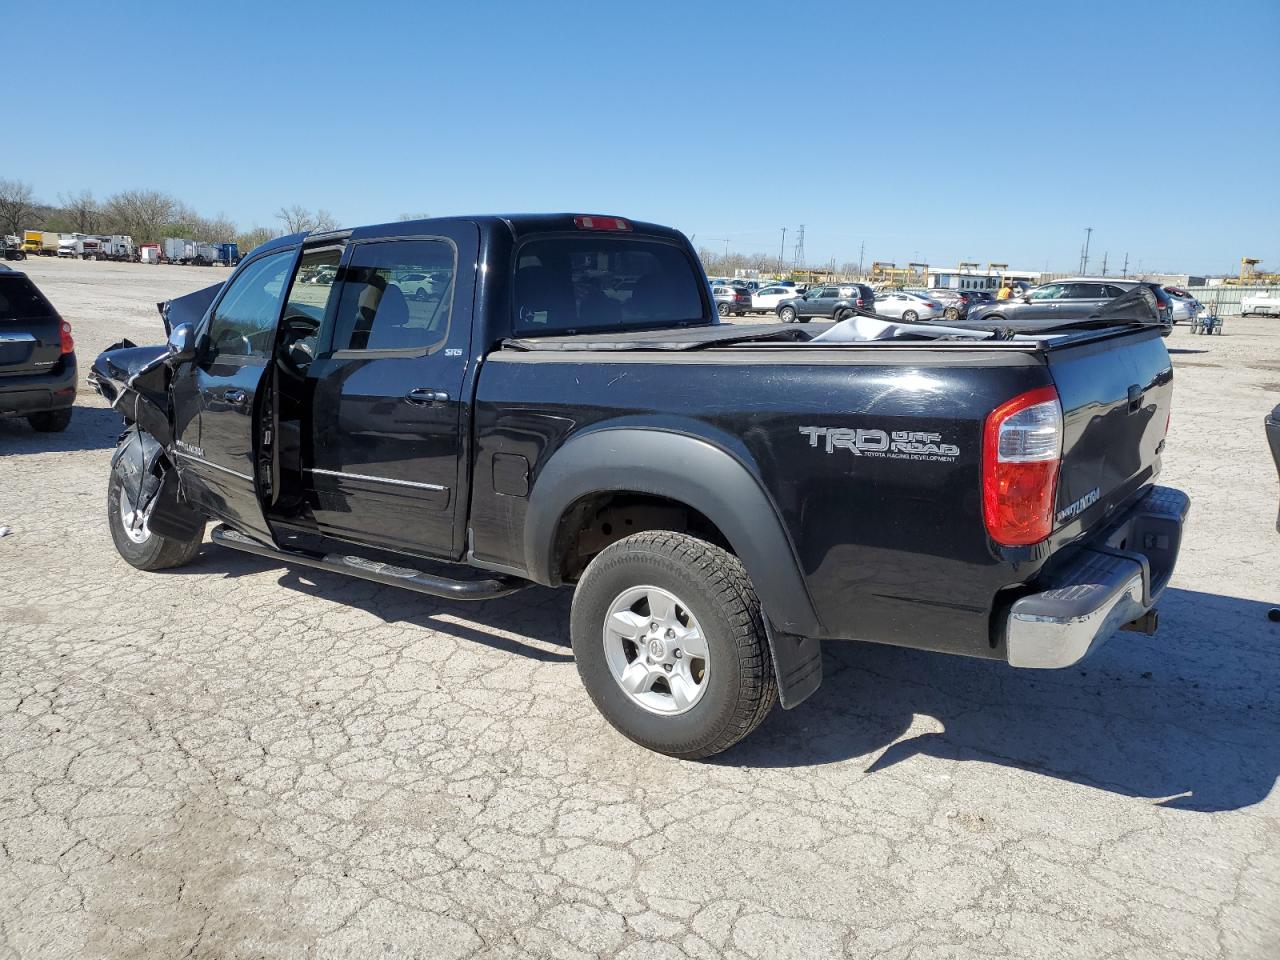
<point>78,246</point>
<point>178,250</point>
<point>118,246</point>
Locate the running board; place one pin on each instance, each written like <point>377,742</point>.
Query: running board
<point>485,589</point>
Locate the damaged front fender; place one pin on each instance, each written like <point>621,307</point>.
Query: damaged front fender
<point>152,485</point>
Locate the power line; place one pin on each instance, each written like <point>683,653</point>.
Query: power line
<point>799,253</point>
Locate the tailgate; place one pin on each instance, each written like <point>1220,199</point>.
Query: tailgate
<point>30,330</point>
<point>1116,396</point>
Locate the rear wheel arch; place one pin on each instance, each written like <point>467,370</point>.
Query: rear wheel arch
<point>652,471</point>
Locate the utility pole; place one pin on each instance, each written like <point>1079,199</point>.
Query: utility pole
<point>1104,262</point>
<point>1125,272</point>
<point>723,240</point>
<point>1084,255</point>
<point>782,250</point>
<point>799,253</point>
<point>861,250</point>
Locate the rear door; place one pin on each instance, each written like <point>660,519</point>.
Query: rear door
<point>217,397</point>
<point>383,449</point>
<point>30,329</point>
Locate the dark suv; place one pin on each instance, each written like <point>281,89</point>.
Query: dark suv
<point>37,356</point>
<point>832,302</point>
<point>1052,304</point>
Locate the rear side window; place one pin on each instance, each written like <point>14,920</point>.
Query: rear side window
<point>396,295</point>
<point>20,300</point>
<point>570,284</point>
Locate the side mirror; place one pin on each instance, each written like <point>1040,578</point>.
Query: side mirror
<point>181,344</point>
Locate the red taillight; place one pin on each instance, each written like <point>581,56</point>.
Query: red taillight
<point>600,223</point>
<point>858,303</point>
<point>68,344</point>
<point>1021,454</point>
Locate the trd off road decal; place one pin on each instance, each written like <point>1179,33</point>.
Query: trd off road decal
<point>894,445</point>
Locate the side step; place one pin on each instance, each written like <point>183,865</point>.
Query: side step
<point>487,588</point>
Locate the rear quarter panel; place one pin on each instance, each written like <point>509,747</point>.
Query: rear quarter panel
<point>886,524</point>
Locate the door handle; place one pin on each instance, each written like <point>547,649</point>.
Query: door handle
<point>237,397</point>
<point>425,396</point>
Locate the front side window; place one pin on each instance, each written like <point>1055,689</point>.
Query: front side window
<point>593,282</point>
<point>1051,291</point>
<point>396,295</point>
<point>244,322</point>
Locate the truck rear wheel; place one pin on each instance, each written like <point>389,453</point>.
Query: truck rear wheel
<point>670,644</point>
<point>134,539</point>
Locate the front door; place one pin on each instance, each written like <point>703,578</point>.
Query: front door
<point>383,461</point>
<point>217,396</point>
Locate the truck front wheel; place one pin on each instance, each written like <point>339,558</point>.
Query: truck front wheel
<point>670,644</point>
<point>134,539</point>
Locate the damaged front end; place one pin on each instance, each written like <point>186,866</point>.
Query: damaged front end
<point>135,380</point>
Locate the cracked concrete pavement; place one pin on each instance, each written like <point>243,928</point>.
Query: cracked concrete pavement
<point>237,759</point>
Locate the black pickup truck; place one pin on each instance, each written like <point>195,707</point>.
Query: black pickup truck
<point>468,406</point>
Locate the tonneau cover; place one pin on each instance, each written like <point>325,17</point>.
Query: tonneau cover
<point>671,338</point>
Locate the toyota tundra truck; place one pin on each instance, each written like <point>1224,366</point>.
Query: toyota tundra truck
<point>563,407</point>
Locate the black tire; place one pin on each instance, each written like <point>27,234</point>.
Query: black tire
<point>153,553</point>
<point>722,309</point>
<point>843,315</point>
<point>910,316</point>
<point>420,294</point>
<point>51,421</point>
<point>787,315</point>
<point>741,687</point>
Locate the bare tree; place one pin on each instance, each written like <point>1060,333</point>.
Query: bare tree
<point>17,205</point>
<point>143,214</point>
<point>413,216</point>
<point>81,211</point>
<point>324,221</point>
<point>255,238</point>
<point>298,219</point>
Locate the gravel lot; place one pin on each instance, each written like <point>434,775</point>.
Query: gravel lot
<point>237,759</point>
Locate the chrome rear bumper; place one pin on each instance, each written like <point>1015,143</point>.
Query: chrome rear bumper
<point>1112,582</point>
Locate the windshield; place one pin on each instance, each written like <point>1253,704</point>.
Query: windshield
<point>591,282</point>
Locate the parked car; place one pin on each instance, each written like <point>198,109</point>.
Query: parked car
<point>731,300</point>
<point>1185,306</point>
<point>907,307</point>
<point>1267,303</point>
<point>766,299</point>
<point>415,285</point>
<point>37,356</point>
<point>955,303</point>
<point>832,302</point>
<point>1050,304</point>
<point>1143,304</point>
<point>991,498</point>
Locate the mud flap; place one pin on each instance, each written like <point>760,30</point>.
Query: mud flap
<point>797,663</point>
<point>151,484</point>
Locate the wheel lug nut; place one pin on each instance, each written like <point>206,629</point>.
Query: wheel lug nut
<point>679,653</point>
<point>671,634</point>
<point>653,625</point>
<point>666,667</point>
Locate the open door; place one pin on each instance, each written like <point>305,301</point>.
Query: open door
<point>221,417</point>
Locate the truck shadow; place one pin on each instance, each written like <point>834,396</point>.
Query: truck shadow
<point>533,623</point>
<point>92,428</point>
<point>1188,718</point>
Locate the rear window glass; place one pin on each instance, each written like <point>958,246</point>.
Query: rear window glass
<point>566,284</point>
<point>20,300</point>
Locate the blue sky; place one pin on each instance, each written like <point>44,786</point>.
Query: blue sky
<point>933,131</point>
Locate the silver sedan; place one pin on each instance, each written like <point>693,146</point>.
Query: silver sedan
<point>907,307</point>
